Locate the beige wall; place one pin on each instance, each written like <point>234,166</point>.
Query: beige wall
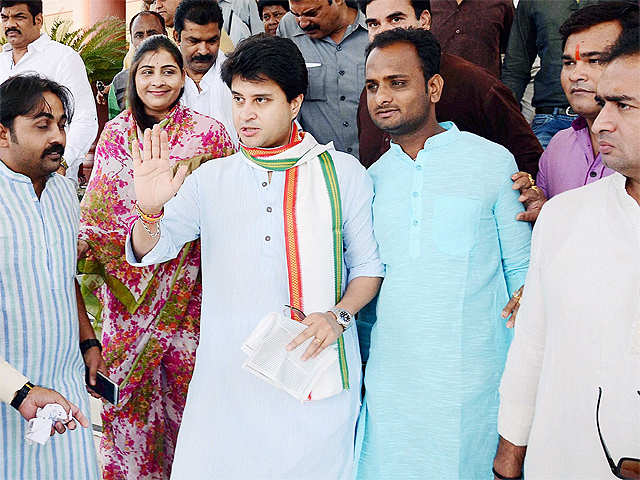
<point>83,13</point>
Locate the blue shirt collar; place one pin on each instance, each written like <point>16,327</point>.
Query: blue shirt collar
<point>15,176</point>
<point>440,140</point>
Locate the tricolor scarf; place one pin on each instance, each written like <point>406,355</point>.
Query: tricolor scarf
<point>312,231</point>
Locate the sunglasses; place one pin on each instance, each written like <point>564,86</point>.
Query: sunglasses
<point>627,468</point>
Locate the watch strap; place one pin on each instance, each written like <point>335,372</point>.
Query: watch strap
<point>340,314</point>
<point>21,395</point>
<point>502,477</point>
<point>89,343</point>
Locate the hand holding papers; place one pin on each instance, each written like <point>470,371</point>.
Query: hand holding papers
<point>39,428</point>
<point>268,359</point>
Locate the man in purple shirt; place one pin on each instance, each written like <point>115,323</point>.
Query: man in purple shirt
<point>572,158</point>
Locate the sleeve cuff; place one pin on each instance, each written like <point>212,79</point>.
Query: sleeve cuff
<point>514,423</point>
<point>12,381</point>
<point>156,255</point>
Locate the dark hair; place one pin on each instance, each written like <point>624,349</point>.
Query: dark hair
<point>628,44</point>
<point>148,12</point>
<point>270,3</point>
<point>426,45</point>
<point>626,13</point>
<point>419,6</point>
<point>154,43</point>
<point>265,57</point>
<point>34,6</point>
<point>201,12</point>
<point>23,94</point>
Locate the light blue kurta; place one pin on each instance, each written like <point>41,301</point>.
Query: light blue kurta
<point>453,253</point>
<point>236,426</point>
<point>39,322</point>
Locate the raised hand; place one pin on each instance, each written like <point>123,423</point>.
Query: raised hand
<point>153,178</point>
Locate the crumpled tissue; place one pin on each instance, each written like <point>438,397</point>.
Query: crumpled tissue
<point>39,428</point>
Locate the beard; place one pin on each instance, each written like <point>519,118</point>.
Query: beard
<point>405,125</point>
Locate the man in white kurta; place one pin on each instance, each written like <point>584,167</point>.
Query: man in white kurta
<point>578,329</point>
<point>198,30</point>
<point>57,62</point>
<point>236,425</point>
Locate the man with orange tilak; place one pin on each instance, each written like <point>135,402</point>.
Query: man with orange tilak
<point>572,158</point>
<point>569,399</point>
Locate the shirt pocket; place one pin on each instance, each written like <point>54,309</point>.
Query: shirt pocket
<point>317,85</point>
<point>455,223</point>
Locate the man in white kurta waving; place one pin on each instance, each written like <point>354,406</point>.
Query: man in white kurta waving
<point>285,221</point>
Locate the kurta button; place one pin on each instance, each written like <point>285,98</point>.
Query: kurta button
<point>343,98</point>
<point>457,30</point>
<point>349,149</point>
<point>264,184</point>
<point>341,72</point>
<point>419,167</point>
<point>339,47</point>
<point>593,174</point>
<point>267,238</point>
<point>415,223</point>
<point>346,124</point>
<point>269,209</point>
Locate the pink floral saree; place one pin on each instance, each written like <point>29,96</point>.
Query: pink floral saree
<point>150,316</point>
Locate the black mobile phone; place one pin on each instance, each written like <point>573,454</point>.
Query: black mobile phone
<point>104,386</point>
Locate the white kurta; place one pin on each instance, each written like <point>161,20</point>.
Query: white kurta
<point>64,65</point>
<point>236,426</point>
<point>214,100</point>
<point>578,329</point>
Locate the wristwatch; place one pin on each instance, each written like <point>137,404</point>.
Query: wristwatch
<point>21,395</point>
<point>343,317</point>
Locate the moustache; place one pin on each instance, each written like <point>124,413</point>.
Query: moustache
<point>310,27</point>
<point>57,148</point>
<point>202,58</point>
<point>12,29</point>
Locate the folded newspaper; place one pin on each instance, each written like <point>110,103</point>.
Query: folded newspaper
<point>268,359</point>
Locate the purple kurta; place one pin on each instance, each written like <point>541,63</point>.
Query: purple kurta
<point>568,162</point>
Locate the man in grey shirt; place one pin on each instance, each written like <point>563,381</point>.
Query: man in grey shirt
<point>332,37</point>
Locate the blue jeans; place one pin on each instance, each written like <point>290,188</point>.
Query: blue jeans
<point>546,125</point>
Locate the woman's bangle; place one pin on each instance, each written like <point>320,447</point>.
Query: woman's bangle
<point>502,477</point>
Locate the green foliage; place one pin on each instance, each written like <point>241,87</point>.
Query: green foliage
<point>102,47</point>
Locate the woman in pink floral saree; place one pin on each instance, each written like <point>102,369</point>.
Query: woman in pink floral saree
<point>150,316</point>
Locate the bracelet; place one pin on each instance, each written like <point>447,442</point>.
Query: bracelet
<point>90,343</point>
<point>148,217</point>
<point>502,477</point>
<point>145,225</point>
<point>21,395</point>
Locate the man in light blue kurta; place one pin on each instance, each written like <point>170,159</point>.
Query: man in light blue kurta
<point>444,217</point>
<point>39,328</point>
<point>235,425</point>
